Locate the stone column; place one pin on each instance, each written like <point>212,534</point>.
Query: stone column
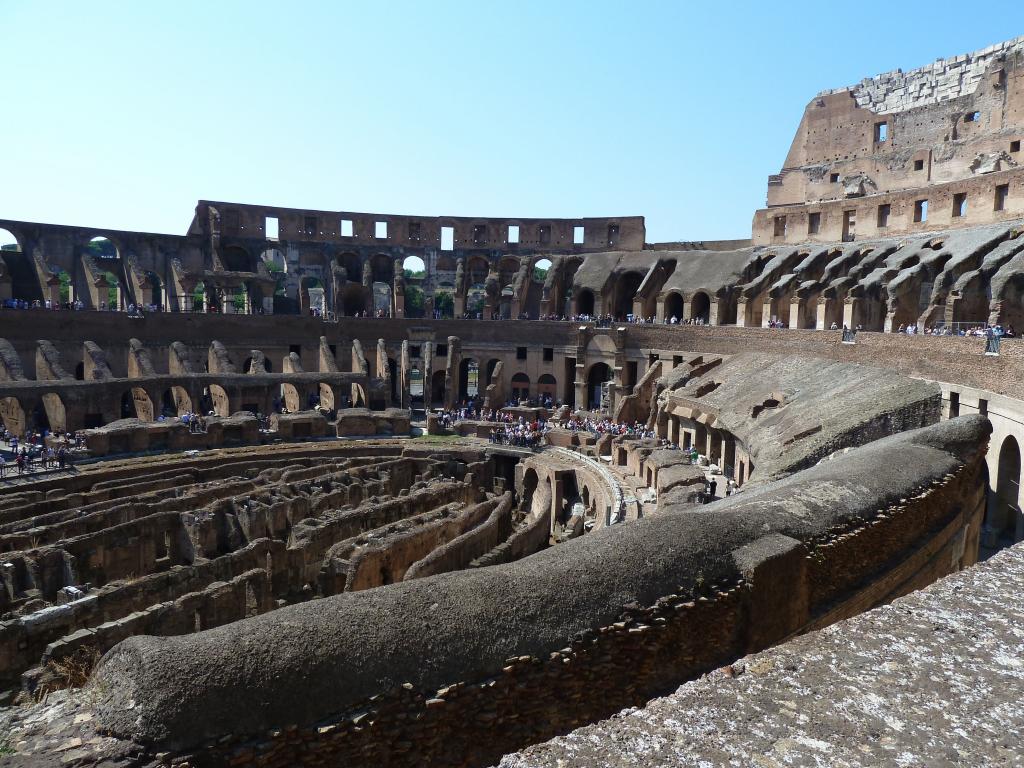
<point>741,313</point>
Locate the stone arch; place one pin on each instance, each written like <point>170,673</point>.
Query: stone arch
<point>508,267</point>
<point>414,264</point>
<point>219,400</point>
<point>290,398</point>
<point>626,286</point>
<point>585,302</point>
<point>520,386</point>
<point>541,267</point>
<point>235,258</point>
<point>1007,518</point>
<point>477,268</point>
<point>382,268</point>
<point>547,385</point>
<point>327,396</point>
<point>673,307</point>
<point>598,374</point>
<point>700,307</point>
<point>175,401</point>
<point>135,403</point>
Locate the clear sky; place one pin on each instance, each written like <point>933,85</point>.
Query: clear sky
<point>123,115</point>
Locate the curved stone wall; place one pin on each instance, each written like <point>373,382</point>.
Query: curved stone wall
<point>841,536</point>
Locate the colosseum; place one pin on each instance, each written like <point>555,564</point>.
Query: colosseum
<point>305,487</point>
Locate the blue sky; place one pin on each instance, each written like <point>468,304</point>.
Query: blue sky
<point>123,115</point>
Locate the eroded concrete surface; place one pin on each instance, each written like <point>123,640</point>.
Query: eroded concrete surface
<point>936,679</point>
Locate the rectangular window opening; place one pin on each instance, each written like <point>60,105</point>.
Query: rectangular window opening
<point>780,226</point>
<point>920,210</point>
<point>813,223</point>
<point>549,354</point>
<point>833,178</point>
<point>983,407</point>
<point>1002,192</point>
<point>447,238</point>
<point>380,230</point>
<point>1015,145</point>
<point>972,117</point>
<point>954,404</point>
<point>441,350</point>
<point>577,235</point>
<point>270,227</point>
<point>919,165</point>
<point>346,228</point>
<point>884,211</point>
<point>513,233</point>
<point>959,205</point>
<point>520,353</point>
<point>881,132</point>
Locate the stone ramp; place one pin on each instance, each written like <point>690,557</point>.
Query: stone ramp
<point>935,678</point>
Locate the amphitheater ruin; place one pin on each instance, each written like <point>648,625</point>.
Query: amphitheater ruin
<point>284,528</point>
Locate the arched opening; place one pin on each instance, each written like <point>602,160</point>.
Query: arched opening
<point>437,388</point>
<point>625,290</point>
<point>477,269</point>
<point>12,416</point>
<point>585,302</point>
<point>413,268</point>
<point>8,242</point>
<point>236,259</point>
<point>353,267</point>
<point>327,397</point>
<point>673,307</point>
<point>290,398</point>
<point>1007,519</point>
<point>598,374</point>
<point>311,295</point>
<point>219,402</point>
<point>507,269</point>
<point>175,402</point>
<point>24,285</point>
<point>135,404</point>
<point>520,387</point>
<point>700,307</point>
<point>80,371</point>
<point>469,379</point>
<point>382,268</point>
<point>547,387</point>
<point>476,298</point>
<point>540,270</point>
